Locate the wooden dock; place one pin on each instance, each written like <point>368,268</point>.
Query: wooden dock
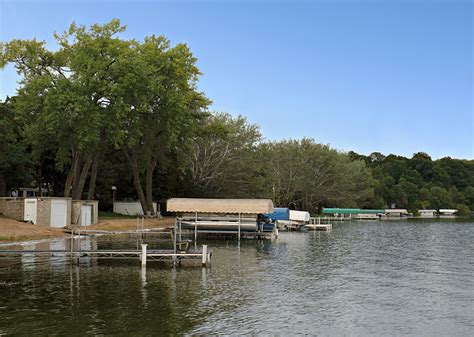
<point>143,255</point>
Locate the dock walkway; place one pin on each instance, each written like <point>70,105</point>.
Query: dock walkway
<point>143,255</point>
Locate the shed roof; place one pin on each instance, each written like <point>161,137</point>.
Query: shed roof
<point>245,206</point>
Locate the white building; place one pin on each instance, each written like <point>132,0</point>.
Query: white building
<point>448,212</point>
<point>396,212</point>
<point>427,213</point>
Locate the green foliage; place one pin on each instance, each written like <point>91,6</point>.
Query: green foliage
<point>134,107</point>
<point>15,161</point>
<point>307,175</point>
<point>222,161</point>
<point>420,182</point>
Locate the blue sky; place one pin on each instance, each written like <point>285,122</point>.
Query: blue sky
<point>387,76</point>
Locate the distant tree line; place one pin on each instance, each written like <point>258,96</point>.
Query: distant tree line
<point>102,111</point>
<point>420,182</point>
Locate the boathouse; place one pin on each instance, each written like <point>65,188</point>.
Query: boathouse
<point>427,213</point>
<point>448,212</point>
<point>354,213</point>
<point>243,217</point>
<point>396,212</point>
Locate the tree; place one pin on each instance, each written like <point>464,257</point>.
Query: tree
<point>65,95</point>
<point>161,105</point>
<point>222,159</point>
<point>304,174</point>
<point>15,162</point>
<point>99,92</point>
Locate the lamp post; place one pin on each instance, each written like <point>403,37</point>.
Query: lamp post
<point>114,193</point>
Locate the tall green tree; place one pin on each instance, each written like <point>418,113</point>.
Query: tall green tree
<point>222,158</point>
<point>15,161</point>
<point>306,175</point>
<point>98,91</point>
<point>162,107</point>
<point>65,95</point>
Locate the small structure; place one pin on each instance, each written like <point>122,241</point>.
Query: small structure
<point>447,212</point>
<point>243,217</point>
<point>130,207</point>
<point>319,224</point>
<point>13,208</point>
<point>354,213</point>
<point>396,212</point>
<point>287,219</point>
<point>299,216</point>
<point>427,213</point>
<point>28,192</point>
<point>367,216</point>
<point>48,211</point>
<point>84,212</point>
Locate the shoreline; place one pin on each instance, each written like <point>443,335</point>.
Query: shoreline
<point>18,232</point>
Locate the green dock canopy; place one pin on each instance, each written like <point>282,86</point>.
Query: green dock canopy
<point>352,211</point>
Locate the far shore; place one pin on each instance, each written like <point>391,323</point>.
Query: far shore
<point>16,231</point>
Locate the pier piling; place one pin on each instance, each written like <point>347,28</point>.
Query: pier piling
<point>143,256</point>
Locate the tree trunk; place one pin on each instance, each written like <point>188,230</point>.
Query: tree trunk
<point>70,176</point>
<point>149,187</point>
<point>75,181</point>
<point>92,181</point>
<point>77,194</point>
<point>3,186</point>
<point>95,166</point>
<point>136,179</point>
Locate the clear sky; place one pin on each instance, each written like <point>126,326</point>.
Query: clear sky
<point>392,76</point>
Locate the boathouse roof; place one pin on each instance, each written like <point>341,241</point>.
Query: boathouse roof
<point>351,211</point>
<point>243,206</point>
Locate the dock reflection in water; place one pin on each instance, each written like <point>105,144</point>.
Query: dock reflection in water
<point>407,277</point>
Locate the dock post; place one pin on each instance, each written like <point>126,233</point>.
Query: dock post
<point>143,257</point>
<point>204,255</point>
<point>239,226</point>
<point>195,227</point>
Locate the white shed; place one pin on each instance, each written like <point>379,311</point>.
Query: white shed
<point>51,212</point>
<point>85,212</point>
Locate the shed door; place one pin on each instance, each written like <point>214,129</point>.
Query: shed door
<point>58,213</point>
<point>86,215</point>
<point>30,210</point>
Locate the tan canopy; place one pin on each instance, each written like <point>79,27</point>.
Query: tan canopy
<point>244,206</point>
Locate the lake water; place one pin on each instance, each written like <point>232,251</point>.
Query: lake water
<point>401,277</point>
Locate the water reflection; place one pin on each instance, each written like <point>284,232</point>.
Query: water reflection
<point>404,277</point>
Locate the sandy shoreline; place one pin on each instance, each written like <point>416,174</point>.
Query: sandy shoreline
<point>16,231</point>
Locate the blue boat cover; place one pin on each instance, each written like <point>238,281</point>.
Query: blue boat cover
<point>279,213</point>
